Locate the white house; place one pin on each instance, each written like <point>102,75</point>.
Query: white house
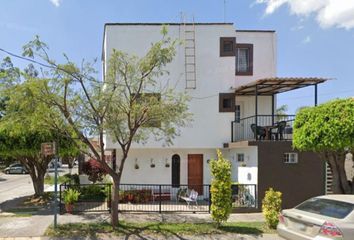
<point>231,76</point>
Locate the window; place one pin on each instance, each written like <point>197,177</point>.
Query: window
<point>327,207</point>
<point>226,102</point>
<point>237,113</point>
<point>227,46</point>
<point>240,157</point>
<point>244,59</point>
<point>290,158</point>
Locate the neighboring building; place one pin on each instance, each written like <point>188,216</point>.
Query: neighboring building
<point>231,77</point>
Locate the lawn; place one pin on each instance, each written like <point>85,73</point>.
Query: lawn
<point>125,228</point>
<point>50,180</point>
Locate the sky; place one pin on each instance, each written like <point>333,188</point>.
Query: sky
<point>315,37</point>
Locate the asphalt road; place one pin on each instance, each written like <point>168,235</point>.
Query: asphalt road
<point>14,186</point>
<point>18,185</point>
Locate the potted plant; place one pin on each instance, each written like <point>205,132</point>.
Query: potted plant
<point>152,165</point>
<point>70,197</point>
<point>167,164</point>
<point>136,165</point>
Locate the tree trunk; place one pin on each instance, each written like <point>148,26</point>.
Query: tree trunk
<point>340,183</point>
<point>115,201</point>
<point>340,159</point>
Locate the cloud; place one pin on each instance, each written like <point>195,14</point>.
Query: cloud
<point>306,40</point>
<point>328,13</point>
<point>56,2</point>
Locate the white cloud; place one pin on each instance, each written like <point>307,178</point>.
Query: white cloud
<point>329,13</point>
<point>306,40</point>
<point>56,2</point>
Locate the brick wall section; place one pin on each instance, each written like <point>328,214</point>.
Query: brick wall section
<point>297,182</point>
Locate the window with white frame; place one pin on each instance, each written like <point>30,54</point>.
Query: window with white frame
<point>290,158</point>
<point>240,157</point>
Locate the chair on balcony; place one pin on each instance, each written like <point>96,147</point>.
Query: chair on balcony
<point>279,130</point>
<point>260,131</point>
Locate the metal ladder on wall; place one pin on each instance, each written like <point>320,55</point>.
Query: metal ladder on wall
<point>189,55</point>
<point>329,180</point>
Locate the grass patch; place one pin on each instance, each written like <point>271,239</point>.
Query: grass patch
<point>49,180</point>
<point>125,228</point>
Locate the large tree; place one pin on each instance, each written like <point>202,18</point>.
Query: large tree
<point>27,122</point>
<point>131,104</point>
<point>328,130</point>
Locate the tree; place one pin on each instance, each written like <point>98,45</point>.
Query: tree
<point>328,130</point>
<point>220,189</point>
<point>130,105</point>
<point>281,110</point>
<point>26,124</point>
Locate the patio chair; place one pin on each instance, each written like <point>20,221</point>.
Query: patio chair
<point>192,197</point>
<point>260,131</point>
<point>280,129</point>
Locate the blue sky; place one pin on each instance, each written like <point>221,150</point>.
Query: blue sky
<point>315,37</point>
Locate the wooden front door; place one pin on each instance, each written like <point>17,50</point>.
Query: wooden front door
<point>195,172</point>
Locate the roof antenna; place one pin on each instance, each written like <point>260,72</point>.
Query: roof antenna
<point>224,11</point>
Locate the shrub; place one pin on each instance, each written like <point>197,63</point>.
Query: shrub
<point>72,179</point>
<point>271,207</point>
<point>71,196</point>
<point>93,192</point>
<point>93,170</point>
<point>220,189</point>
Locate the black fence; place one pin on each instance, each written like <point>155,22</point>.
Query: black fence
<point>263,127</point>
<point>153,197</point>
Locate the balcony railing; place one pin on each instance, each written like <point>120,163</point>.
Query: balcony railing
<point>263,127</point>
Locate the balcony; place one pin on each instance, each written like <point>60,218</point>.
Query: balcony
<point>263,127</point>
<point>270,127</point>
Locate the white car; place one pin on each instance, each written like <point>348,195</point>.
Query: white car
<point>52,164</point>
<point>320,218</point>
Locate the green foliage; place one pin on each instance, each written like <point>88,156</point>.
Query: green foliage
<point>93,192</point>
<point>71,196</point>
<point>271,207</point>
<point>327,127</point>
<point>220,189</point>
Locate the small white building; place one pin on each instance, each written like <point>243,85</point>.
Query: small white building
<point>231,76</point>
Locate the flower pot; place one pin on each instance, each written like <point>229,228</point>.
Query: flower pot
<point>69,208</point>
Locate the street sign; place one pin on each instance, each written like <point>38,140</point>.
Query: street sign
<point>48,149</point>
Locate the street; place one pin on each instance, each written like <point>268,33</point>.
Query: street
<point>18,185</point>
<point>14,186</point>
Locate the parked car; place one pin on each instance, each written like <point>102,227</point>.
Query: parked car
<point>15,168</point>
<point>319,218</point>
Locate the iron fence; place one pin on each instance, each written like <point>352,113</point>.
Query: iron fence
<point>154,197</point>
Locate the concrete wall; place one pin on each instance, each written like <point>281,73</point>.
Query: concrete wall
<point>215,74</point>
<point>264,55</point>
<point>297,182</point>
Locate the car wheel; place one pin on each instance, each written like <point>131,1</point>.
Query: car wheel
<point>23,172</point>
<point>7,172</point>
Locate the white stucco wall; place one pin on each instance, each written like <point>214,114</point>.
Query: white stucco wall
<point>160,174</point>
<point>215,74</point>
<point>264,55</point>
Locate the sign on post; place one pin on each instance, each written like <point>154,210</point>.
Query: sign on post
<point>48,149</point>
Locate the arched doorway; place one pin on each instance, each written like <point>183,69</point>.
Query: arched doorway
<point>176,166</point>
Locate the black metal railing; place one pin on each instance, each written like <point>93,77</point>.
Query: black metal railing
<point>154,197</point>
<point>93,197</point>
<point>263,127</point>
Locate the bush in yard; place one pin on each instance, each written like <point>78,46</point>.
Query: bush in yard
<point>93,170</point>
<point>271,207</point>
<point>220,189</point>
